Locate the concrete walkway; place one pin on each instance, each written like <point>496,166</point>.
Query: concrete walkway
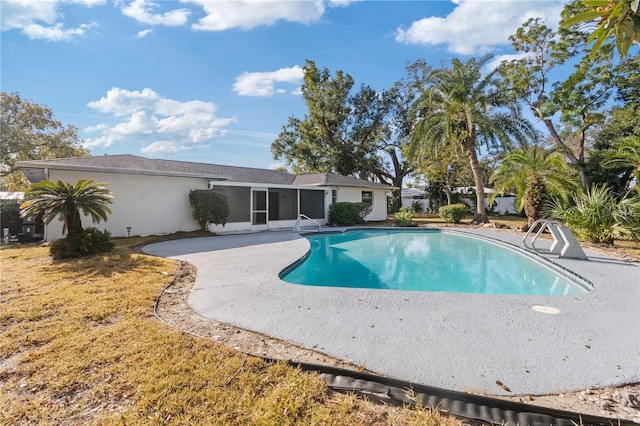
<point>463,342</point>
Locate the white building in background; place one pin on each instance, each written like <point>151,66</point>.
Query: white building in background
<point>502,204</point>
<point>151,196</point>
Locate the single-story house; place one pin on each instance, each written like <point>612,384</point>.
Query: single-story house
<point>151,196</point>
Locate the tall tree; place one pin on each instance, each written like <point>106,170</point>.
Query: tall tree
<point>30,132</point>
<point>445,170</point>
<point>340,132</point>
<point>360,133</point>
<point>576,103</point>
<point>461,106</point>
<point>537,175</point>
<point>66,201</point>
<point>611,160</point>
<point>615,159</point>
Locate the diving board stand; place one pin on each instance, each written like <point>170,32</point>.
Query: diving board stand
<point>564,243</point>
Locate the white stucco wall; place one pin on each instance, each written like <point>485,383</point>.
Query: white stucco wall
<point>160,204</point>
<point>354,195</point>
<point>148,204</point>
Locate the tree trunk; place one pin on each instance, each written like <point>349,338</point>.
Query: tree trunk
<point>480,215</point>
<point>400,172</point>
<point>73,223</point>
<point>584,177</point>
<point>396,199</point>
<point>447,192</point>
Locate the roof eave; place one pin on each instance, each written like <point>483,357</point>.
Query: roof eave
<point>53,166</point>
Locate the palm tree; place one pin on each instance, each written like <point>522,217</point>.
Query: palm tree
<point>535,174</point>
<point>65,201</point>
<point>597,215</point>
<point>462,107</point>
<point>627,155</point>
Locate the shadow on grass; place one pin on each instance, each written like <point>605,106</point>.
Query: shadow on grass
<point>109,264</point>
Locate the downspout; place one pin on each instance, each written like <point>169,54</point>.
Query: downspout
<point>45,228</point>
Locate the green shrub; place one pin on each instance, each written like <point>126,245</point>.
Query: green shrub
<point>209,207</point>
<point>598,216</point>
<point>348,214</point>
<point>90,241</point>
<point>453,213</point>
<point>404,217</point>
<point>10,216</point>
<point>417,207</point>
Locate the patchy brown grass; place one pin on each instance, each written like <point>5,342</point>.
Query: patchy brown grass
<point>79,345</point>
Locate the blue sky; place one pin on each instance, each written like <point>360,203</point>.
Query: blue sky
<point>215,81</point>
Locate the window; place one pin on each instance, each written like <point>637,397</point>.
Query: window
<point>367,198</point>
<point>334,196</point>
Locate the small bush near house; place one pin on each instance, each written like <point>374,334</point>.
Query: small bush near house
<point>417,207</point>
<point>90,241</point>
<point>598,216</point>
<point>453,213</point>
<point>209,207</point>
<point>404,217</point>
<point>10,216</point>
<point>348,214</point>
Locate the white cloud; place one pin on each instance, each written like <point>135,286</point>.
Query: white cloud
<point>55,32</point>
<point>263,83</point>
<point>144,33</point>
<point>497,60</point>
<point>18,13</point>
<point>165,147</point>
<point>276,166</point>
<point>342,3</point>
<point>247,14</point>
<point>145,116</point>
<point>88,3</point>
<point>142,11</point>
<point>477,27</point>
<point>39,20</point>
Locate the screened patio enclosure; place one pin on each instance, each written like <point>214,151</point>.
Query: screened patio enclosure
<point>271,207</point>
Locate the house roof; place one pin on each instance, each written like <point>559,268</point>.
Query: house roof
<point>132,164</point>
<point>333,179</point>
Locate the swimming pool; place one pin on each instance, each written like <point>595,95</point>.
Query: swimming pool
<point>428,260</point>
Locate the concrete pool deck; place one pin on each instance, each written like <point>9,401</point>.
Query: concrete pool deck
<point>455,341</point>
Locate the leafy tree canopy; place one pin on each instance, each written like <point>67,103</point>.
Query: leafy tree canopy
<point>340,130</point>
<point>30,132</point>
<point>574,104</point>
<point>617,154</point>
<point>359,133</point>
<point>613,19</point>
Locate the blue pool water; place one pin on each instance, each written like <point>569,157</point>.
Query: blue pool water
<point>427,260</point>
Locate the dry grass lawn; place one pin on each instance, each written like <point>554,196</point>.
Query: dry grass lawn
<point>79,344</point>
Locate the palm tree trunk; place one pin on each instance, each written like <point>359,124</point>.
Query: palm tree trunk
<point>534,200</point>
<point>74,223</point>
<point>480,215</point>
